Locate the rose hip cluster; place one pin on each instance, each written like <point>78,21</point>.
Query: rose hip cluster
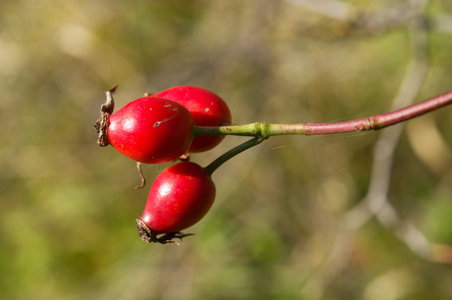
<point>156,129</point>
<point>171,124</point>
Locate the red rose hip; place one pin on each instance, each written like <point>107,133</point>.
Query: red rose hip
<point>207,109</point>
<point>179,197</point>
<point>151,130</point>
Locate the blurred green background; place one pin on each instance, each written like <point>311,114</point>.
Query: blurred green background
<point>288,221</point>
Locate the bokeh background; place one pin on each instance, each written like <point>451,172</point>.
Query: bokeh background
<point>350,216</point>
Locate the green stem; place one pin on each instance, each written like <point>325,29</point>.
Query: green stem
<point>231,153</point>
<point>375,122</point>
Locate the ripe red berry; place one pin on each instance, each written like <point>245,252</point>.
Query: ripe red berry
<point>179,197</point>
<point>151,130</point>
<point>207,109</point>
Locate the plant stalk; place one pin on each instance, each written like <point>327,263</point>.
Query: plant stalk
<point>231,153</point>
<point>375,122</point>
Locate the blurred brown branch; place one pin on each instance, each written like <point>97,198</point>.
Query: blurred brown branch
<point>376,202</point>
<point>351,19</point>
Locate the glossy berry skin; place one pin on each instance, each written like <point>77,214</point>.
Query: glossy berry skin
<point>151,130</point>
<point>207,109</point>
<point>179,197</point>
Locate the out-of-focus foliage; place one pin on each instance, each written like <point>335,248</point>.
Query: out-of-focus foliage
<point>68,207</point>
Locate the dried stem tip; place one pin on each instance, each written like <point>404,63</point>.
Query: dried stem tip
<point>147,235</point>
<point>106,110</point>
